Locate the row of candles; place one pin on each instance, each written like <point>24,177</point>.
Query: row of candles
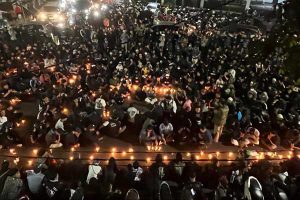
<point>198,156</point>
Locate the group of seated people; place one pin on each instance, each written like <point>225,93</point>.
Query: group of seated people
<point>168,86</point>
<point>178,179</point>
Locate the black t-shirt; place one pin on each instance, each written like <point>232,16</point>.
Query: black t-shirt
<point>113,127</point>
<point>53,189</point>
<point>88,139</point>
<point>69,140</point>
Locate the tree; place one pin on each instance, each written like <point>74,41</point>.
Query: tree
<point>287,36</point>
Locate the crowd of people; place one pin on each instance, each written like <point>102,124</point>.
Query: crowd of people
<point>49,178</point>
<point>194,82</point>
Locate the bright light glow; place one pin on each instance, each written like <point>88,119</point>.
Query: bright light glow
<point>104,7</point>
<point>148,160</point>
<point>96,14</point>
<point>35,151</point>
<point>42,16</point>
<point>12,151</point>
<point>71,22</point>
<point>130,150</point>
<point>63,5</point>
<point>86,11</point>
<point>124,153</point>
<point>131,157</point>
<point>61,18</point>
<point>165,157</point>
<point>91,157</point>
<point>230,154</point>
<point>97,149</point>
<point>73,10</point>
<point>61,25</point>
<point>96,5</point>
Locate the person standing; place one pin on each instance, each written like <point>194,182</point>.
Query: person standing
<point>124,40</point>
<point>220,116</point>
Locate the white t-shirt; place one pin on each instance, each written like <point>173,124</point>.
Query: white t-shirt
<point>2,121</point>
<point>163,129</point>
<point>132,111</point>
<point>94,170</point>
<point>100,103</point>
<point>59,125</point>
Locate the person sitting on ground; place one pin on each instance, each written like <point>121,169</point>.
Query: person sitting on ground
<point>71,139</point>
<point>13,186</point>
<point>270,140</point>
<point>149,137</point>
<point>52,139</point>
<point>34,181</point>
<point>166,131</point>
<point>95,171</point>
<point>250,137</point>
<point>60,122</point>
<point>204,136</point>
<point>132,112</point>
<point>291,139</point>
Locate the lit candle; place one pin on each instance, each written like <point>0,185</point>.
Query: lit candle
<point>280,156</point>
<point>148,160</point>
<point>97,149</point>
<point>165,157</point>
<point>29,162</point>
<point>197,157</point>
<point>209,156</point>
<point>149,148</point>
<point>217,153</point>
<point>113,150</point>
<point>12,151</point>
<point>131,157</point>
<point>201,153</point>
<point>130,150</point>
<point>16,161</point>
<point>35,151</point>
<point>23,121</point>
<point>72,149</point>
<point>230,154</point>
<point>71,81</point>
<point>71,158</point>
<point>91,157</point>
<point>188,154</point>
<point>124,153</point>
<point>289,156</point>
